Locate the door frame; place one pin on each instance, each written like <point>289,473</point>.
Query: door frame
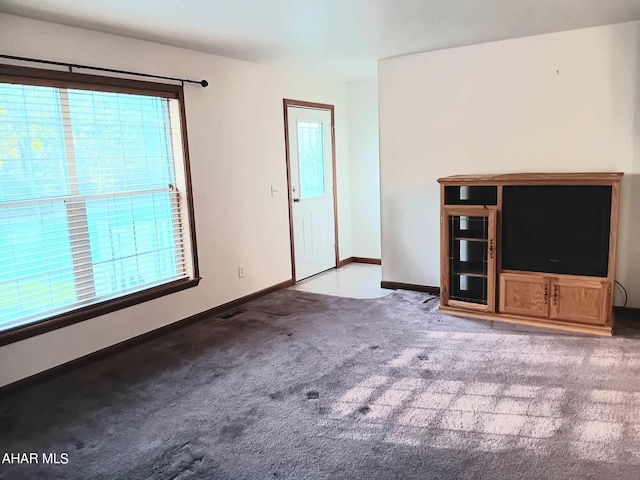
<point>286,102</point>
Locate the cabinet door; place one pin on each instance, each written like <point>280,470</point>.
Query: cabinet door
<point>469,255</point>
<point>524,294</point>
<point>580,301</point>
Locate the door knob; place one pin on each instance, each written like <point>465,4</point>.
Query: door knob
<point>296,199</point>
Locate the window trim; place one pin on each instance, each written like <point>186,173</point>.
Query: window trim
<point>60,79</point>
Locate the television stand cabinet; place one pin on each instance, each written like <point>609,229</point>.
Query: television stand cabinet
<point>514,252</point>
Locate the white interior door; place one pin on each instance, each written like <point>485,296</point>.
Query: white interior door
<point>311,164</point>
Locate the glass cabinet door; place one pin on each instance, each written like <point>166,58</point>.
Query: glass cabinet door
<point>469,240</point>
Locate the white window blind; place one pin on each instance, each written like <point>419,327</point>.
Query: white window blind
<point>92,198</point>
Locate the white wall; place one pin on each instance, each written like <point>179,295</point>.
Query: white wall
<point>564,102</point>
<point>365,168</point>
<point>236,143</point>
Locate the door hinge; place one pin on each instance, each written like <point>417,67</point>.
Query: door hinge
<point>441,220</point>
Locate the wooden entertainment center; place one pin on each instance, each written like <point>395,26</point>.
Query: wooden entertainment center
<point>473,281</point>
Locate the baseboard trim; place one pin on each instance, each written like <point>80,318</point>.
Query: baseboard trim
<point>372,261</point>
<point>344,262</point>
<point>628,312</point>
<point>134,341</point>
<point>410,286</point>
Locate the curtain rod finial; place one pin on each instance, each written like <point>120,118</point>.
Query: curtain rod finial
<point>204,83</point>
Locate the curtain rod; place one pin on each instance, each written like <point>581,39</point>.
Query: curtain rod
<point>71,66</point>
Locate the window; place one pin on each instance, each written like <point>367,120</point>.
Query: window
<point>95,207</point>
<point>311,159</point>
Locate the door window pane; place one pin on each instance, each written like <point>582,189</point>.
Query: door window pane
<point>311,159</point>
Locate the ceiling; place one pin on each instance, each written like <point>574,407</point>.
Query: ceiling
<point>340,38</point>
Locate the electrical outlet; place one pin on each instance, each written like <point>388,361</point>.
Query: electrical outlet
<point>240,271</point>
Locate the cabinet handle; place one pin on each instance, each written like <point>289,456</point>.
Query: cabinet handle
<point>546,294</point>
<point>491,248</point>
<point>555,294</point>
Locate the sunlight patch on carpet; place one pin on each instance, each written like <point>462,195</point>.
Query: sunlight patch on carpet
<point>457,412</point>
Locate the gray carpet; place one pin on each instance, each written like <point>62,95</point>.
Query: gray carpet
<point>305,386</point>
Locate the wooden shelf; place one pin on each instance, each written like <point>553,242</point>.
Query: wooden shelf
<point>470,234</point>
<point>472,239</point>
<point>470,274</point>
<point>470,269</point>
<point>534,178</point>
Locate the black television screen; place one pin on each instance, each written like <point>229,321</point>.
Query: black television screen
<point>556,229</point>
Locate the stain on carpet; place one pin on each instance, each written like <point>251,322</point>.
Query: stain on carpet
<point>234,430</point>
<point>230,433</point>
<point>179,463</point>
